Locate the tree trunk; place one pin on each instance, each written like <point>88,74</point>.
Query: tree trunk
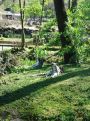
<point>23,34</point>
<point>41,18</point>
<point>61,20</point>
<point>74,4</point>
<point>69,4</point>
<point>22,24</point>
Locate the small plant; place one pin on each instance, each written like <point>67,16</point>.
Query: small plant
<point>40,53</point>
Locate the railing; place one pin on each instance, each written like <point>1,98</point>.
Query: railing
<point>11,44</point>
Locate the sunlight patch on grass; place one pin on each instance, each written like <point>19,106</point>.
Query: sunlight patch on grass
<point>87,107</point>
<point>66,82</point>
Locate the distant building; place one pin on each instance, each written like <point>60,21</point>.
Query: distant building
<point>9,15</point>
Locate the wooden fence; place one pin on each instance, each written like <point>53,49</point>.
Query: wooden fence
<point>12,44</point>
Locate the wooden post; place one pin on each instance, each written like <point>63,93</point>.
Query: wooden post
<point>2,47</point>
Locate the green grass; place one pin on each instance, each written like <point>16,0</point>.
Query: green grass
<point>46,99</point>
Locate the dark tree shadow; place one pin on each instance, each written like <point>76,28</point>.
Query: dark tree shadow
<point>20,93</point>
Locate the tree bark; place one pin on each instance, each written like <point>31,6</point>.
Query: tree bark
<point>74,4</point>
<point>61,20</point>
<point>22,23</point>
<point>41,18</point>
<point>69,4</point>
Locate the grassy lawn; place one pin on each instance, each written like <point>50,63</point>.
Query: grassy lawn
<point>37,98</point>
<point>27,94</point>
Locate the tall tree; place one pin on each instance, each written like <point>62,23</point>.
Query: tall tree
<point>61,20</point>
<point>22,22</point>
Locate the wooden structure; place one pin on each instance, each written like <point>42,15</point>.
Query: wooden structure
<point>11,44</point>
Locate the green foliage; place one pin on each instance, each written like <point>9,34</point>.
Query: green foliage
<point>54,39</point>
<point>76,29</point>
<point>40,53</point>
<point>48,25</point>
<point>68,115</point>
<point>15,8</point>
<point>7,3</point>
<point>48,33</point>
<point>85,6</point>
<point>34,9</point>
<point>48,9</point>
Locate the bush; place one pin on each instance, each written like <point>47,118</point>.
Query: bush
<point>46,32</point>
<point>7,63</point>
<point>76,29</point>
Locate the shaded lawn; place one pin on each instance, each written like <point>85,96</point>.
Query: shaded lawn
<point>22,92</point>
<point>45,97</point>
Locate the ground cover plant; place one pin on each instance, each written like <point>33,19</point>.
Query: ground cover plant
<point>26,95</point>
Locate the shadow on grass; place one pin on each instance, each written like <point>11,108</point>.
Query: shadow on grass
<point>20,93</point>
